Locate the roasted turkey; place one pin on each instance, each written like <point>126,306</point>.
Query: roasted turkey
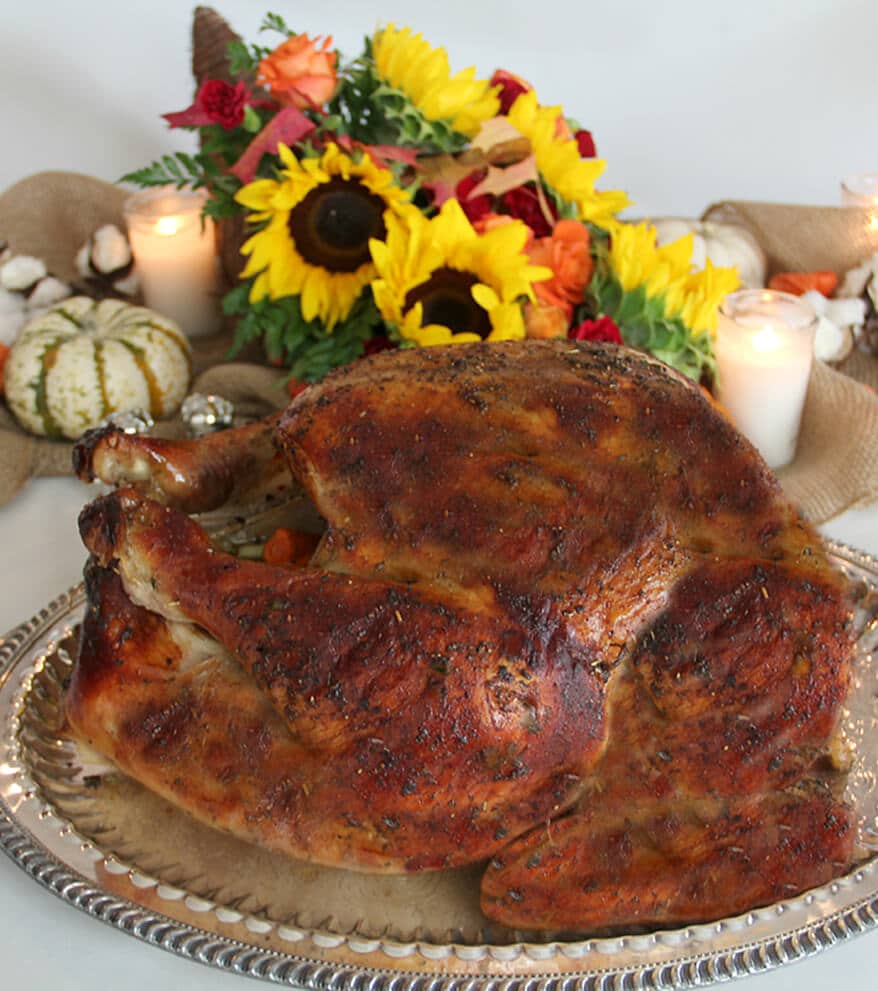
<point>561,620</point>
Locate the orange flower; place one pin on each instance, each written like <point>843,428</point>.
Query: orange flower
<point>566,252</point>
<point>543,322</point>
<point>491,221</point>
<point>300,72</point>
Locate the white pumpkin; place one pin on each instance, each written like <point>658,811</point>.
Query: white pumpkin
<point>726,245</point>
<point>82,360</point>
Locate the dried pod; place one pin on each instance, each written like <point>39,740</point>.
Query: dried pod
<point>211,35</point>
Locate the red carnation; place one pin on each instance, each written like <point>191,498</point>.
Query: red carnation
<point>216,102</point>
<point>602,329</point>
<point>511,88</point>
<point>585,143</point>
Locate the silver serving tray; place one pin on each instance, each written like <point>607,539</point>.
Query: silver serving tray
<point>51,826</point>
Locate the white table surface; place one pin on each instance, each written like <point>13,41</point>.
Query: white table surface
<point>45,943</point>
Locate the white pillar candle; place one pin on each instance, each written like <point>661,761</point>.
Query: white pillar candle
<point>860,190</point>
<point>174,248</point>
<point>764,348</point>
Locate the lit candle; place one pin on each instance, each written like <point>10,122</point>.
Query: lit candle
<point>860,190</point>
<point>174,248</point>
<point>764,348</point>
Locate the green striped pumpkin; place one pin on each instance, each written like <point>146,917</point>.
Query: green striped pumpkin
<point>81,360</point>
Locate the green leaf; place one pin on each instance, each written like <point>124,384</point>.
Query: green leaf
<point>303,346</point>
<point>237,300</point>
<point>252,121</point>
<point>241,62</point>
<point>632,305</point>
<point>274,22</point>
<point>634,333</point>
<point>178,169</point>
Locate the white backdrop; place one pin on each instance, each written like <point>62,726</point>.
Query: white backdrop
<point>690,101</point>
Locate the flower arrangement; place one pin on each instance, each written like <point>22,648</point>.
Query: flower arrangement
<point>391,203</point>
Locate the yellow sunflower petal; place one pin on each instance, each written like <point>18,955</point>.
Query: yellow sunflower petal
<point>492,267</point>
<point>560,164</point>
<point>281,269</point>
<point>422,74</point>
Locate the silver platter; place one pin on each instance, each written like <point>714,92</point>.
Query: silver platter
<point>50,827</point>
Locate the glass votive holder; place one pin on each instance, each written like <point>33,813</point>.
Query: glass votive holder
<point>174,248</point>
<point>860,190</point>
<point>764,351</point>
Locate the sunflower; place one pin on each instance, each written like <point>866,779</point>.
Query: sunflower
<point>319,217</point>
<point>666,273</point>
<point>560,164</point>
<point>440,282</point>
<point>420,74</point>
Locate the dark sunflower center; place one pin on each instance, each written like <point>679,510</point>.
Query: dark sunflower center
<point>448,301</point>
<point>332,225</point>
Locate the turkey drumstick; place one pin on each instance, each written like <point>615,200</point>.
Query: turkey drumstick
<point>237,465</point>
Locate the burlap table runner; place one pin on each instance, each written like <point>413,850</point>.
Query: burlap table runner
<point>51,214</point>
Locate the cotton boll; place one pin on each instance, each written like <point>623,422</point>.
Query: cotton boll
<point>110,250</point>
<point>831,341</point>
<point>858,279</point>
<point>10,326</point>
<point>11,302</point>
<point>129,286</point>
<point>82,260</point>
<point>21,272</point>
<point>48,291</point>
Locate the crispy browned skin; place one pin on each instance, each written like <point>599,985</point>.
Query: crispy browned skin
<point>193,475</point>
<point>716,790</point>
<point>670,863</point>
<point>549,571</point>
<point>174,709</point>
<point>451,725</point>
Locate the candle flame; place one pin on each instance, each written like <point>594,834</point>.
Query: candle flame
<point>765,340</point>
<point>873,222</point>
<point>167,226</point>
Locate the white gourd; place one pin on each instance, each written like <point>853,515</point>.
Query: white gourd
<point>82,360</point>
<point>726,245</point>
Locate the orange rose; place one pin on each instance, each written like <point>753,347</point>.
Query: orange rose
<point>543,322</point>
<point>566,252</point>
<point>300,72</point>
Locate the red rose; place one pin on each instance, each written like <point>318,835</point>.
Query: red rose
<point>585,143</point>
<point>511,88</point>
<point>216,102</point>
<point>523,204</point>
<point>376,344</point>
<point>476,207</point>
<point>602,329</point>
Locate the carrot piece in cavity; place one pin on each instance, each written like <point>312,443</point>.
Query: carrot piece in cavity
<point>797,283</point>
<point>286,546</point>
